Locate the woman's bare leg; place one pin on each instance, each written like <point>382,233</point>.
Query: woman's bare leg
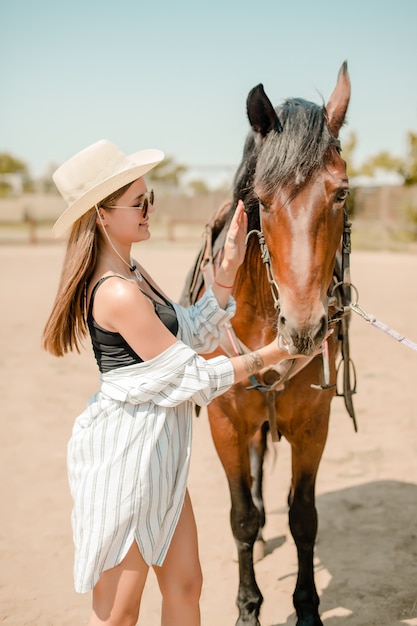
<point>180,576</point>
<point>117,595</point>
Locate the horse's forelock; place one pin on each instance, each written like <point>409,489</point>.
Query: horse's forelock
<point>288,158</point>
<point>285,158</point>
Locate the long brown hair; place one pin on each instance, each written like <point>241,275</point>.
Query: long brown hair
<point>67,324</point>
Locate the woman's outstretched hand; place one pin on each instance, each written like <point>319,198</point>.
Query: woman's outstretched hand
<point>234,246</point>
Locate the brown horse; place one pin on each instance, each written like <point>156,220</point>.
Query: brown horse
<point>293,182</point>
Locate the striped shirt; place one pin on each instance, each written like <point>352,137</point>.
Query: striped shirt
<point>129,454</point>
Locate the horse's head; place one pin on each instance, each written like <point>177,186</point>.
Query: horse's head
<point>292,170</point>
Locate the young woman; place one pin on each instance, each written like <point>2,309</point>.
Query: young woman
<point>128,457</point>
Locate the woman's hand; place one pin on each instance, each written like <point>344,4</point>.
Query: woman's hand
<point>234,247</point>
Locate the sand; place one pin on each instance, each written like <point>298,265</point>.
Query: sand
<point>366,555</point>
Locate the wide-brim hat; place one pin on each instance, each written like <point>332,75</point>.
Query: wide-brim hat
<point>93,174</point>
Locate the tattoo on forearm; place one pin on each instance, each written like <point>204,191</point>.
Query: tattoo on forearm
<point>253,362</point>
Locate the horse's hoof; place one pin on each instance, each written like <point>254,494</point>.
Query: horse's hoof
<point>258,550</point>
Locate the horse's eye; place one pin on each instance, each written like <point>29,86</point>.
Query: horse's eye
<point>341,195</point>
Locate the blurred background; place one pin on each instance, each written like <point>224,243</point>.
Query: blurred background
<point>175,76</point>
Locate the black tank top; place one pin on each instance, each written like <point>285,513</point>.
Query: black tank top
<point>110,349</point>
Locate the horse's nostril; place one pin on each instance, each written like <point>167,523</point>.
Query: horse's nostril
<point>282,320</point>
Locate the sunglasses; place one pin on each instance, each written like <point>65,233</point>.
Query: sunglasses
<point>143,206</point>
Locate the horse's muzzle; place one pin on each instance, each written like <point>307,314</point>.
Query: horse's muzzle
<point>304,340</point>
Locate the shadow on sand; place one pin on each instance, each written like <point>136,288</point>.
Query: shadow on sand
<point>374,527</point>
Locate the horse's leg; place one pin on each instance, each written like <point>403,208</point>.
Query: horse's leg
<point>233,451</point>
<point>257,451</point>
<point>307,449</point>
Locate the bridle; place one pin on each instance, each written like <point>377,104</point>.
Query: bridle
<point>340,299</point>
<point>266,259</point>
<point>344,283</point>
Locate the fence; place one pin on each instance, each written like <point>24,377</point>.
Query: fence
<point>29,217</point>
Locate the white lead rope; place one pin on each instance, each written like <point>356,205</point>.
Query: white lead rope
<point>381,326</point>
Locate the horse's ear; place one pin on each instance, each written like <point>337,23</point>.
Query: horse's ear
<point>262,115</point>
<point>338,102</point>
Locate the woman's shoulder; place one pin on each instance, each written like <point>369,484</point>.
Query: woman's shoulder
<point>119,286</point>
<point>117,299</point>
<point>117,291</point>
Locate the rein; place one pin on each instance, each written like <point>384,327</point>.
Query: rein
<point>368,317</point>
<point>354,306</point>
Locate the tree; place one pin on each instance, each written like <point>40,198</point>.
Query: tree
<point>11,165</point>
<point>168,172</point>
<point>384,161</point>
<point>199,187</point>
<point>13,174</point>
<point>409,168</point>
<point>348,147</point>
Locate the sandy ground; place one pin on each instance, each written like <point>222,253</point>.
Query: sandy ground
<point>366,556</point>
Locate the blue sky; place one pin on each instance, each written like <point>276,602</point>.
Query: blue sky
<point>174,74</point>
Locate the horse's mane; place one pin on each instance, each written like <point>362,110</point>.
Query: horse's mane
<point>285,158</point>
<point>288,158</point>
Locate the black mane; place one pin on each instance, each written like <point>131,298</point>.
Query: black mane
<point>285,158</point>
<point>290,157</point>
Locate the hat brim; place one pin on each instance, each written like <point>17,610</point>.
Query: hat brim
<point>141,163</point>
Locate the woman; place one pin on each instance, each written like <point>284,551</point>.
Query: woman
<point>128,457</point>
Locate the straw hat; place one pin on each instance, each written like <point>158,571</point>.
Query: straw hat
<point>93,174</point>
